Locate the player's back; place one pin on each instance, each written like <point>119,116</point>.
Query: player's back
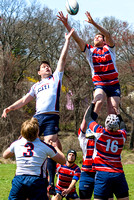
<point>31,156</point>
<point>109,146</point>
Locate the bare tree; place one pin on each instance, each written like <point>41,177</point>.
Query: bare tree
<point>27,35</point>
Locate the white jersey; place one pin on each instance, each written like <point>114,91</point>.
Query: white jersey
<point>31,157</point>
<point>47,93</point>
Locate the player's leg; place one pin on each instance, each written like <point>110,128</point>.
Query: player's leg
<point>86,185</point>
<point>54,138</point>
<point>37,187</point>
<point>57,197</point>
<point>49,126</point>
<point>113,104</point>
<point>102,187</point>
<point>18,190</point>
<point>51,134</point>
<point>120,186</point>
<point>72,196</point>
<point>51,164</point>
<point>113,100</point>
<point>99,98</point>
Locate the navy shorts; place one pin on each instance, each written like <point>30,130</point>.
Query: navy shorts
<point>48,124</point>
<point>86,184</point>
<point>109,183</point>
<point>110,90</point>
<point>25,186</point>
<point>72,195</point>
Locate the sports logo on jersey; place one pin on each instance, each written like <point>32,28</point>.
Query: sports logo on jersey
<point>27,162</point>
<point>43,87</point>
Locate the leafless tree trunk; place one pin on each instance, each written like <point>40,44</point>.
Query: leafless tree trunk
<point>131,143</point>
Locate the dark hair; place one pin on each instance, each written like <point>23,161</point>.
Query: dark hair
<point>72,151</point>
<point>43,62</point>
<point>101,35</point>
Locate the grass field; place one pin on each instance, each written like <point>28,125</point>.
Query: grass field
<point>7,172</point>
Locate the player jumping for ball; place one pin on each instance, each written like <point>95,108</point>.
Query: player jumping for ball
<point>101,58</point>
<point>47,94</point>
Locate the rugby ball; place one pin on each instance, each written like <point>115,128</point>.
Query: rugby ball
<point>72,7</point>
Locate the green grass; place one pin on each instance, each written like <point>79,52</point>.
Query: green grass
<point>7,172</point>
<point>129,173</point>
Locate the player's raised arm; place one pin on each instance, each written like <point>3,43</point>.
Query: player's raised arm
<point>108,37</point>
<point>18,104</point>
<point>64,20</point>
<point>62,59</point>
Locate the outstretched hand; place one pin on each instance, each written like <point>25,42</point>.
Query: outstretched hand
<point>5,111</point>
<point>89,20</point>
<point>62,18</point>
<point>67,36</point>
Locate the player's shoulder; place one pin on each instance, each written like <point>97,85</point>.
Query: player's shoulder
<point>48,146</point>
<point>88,46</point>
<point>17,142</point>
<point>76,167</point>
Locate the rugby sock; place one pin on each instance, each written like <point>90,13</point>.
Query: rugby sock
<point>51,166</point>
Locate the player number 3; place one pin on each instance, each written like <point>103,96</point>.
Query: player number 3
<point>29,147</point>
<point>113,146</point>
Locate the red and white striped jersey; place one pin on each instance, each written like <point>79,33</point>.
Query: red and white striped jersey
<point>87,146</point>
<point>102,61</point>
<point>108,148</point>
<point>65,176</point>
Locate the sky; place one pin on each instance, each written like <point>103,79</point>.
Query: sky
<point>120,9</point>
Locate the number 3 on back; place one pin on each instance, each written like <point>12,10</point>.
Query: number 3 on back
<point>30,148</point>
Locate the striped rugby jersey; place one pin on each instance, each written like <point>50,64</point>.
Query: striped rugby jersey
<point>108,148</point>
<point>102,61</point>
<point>65,176</point>
<point>87,146</point>
<point>47,93</point>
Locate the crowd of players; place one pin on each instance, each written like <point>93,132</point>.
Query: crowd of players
<point>101,171</point>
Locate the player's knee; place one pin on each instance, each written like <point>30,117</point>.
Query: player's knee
<point>51,138</point>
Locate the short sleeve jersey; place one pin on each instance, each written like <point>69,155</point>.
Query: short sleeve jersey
<point>108,148</point>
<point>102,61</point>
<point>66,175</point>
<point>31,157</point>
<point>47,93</point>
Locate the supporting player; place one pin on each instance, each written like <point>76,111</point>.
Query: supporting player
<point>68,174</point>
<point>47,93</point>
<point>30,181</point>
<point>110,177</point>
<point>102,60</point>
<point>87,178</point>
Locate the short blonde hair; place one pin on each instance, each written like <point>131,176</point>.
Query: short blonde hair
<point>29,129</point>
